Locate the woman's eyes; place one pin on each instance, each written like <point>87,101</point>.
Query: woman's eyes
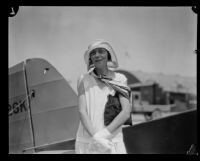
<point>92,53</point>
<point>100,51</point>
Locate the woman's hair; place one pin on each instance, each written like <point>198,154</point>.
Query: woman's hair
<point>109,56</point>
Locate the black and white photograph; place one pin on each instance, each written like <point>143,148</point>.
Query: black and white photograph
<point>102,79</point>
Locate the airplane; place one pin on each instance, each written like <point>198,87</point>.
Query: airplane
<point>43,109</point>
<point>44,118</point>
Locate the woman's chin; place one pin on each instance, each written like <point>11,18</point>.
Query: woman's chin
<point>99,65</point>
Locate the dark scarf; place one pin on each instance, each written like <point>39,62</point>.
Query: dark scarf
<point>120,87</point>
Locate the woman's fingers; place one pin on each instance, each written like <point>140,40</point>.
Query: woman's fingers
<point>106,143</point>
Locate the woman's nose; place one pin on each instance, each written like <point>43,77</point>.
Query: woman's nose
<point>97,54</point>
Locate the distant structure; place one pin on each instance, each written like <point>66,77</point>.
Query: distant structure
<point>158,91</point>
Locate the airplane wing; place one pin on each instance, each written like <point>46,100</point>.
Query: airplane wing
<point>176,134</point>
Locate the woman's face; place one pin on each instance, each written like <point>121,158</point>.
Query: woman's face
<point>99,57</point>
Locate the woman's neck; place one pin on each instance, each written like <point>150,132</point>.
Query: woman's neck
<point>100,71</point>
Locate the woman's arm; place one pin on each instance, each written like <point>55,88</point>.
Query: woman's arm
<point>83,109</point>
<point>121,118</point>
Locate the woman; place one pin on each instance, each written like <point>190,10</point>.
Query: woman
<point>94,136</point>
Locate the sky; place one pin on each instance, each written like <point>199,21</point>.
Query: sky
<point>148,39</point>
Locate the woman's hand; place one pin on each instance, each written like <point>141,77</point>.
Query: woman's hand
<point>101,138</point>
<point>103,134</point>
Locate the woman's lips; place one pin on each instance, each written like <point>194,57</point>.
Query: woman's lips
<point>98,60</point>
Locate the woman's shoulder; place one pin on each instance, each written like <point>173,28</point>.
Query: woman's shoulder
<point>120,77</point>
<point>84,77</point>
<point>82,82</point>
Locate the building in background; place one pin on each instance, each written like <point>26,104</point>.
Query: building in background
<point>156,94</point>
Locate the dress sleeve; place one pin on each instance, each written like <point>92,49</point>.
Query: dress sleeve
<point>80,85</point>
<point>123,79</point>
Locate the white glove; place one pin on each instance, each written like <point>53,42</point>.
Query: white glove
<point>102,138</point>
<point>104,142</point>
<point>103,134</point>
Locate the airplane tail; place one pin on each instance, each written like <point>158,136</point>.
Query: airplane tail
<point>43,108</point>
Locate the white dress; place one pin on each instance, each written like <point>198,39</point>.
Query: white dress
<point>96,94</point>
